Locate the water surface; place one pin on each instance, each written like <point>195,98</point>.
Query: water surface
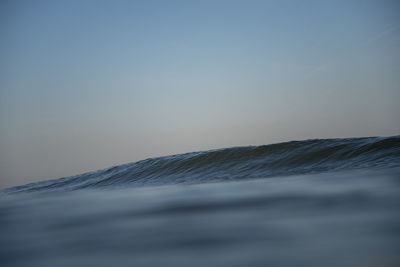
<point>328,202</point>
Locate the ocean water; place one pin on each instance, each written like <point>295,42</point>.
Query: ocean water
<point>331,202</point>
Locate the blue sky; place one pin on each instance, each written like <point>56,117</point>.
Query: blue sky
<point>89,84</point>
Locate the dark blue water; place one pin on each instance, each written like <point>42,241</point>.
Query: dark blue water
<point>331,202</point>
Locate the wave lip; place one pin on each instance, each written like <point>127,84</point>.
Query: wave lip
<point>282,159</point>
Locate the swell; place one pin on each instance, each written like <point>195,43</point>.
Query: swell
<point>282,159</point>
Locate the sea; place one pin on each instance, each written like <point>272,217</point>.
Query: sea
<point>320,202</point>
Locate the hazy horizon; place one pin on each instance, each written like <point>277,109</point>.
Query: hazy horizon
<point>85,85</point>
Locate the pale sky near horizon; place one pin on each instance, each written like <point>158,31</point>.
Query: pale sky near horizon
<point>85,85</point>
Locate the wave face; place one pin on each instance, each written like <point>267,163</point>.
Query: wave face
<point>283,159</point>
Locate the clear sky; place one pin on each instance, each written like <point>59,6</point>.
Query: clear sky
<point>86,85</point>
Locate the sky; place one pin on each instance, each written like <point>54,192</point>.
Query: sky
<point>86,85</point>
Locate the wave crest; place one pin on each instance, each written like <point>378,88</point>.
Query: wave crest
<point>289,158</point>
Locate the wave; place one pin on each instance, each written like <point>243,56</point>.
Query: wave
<point>282,159</point>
